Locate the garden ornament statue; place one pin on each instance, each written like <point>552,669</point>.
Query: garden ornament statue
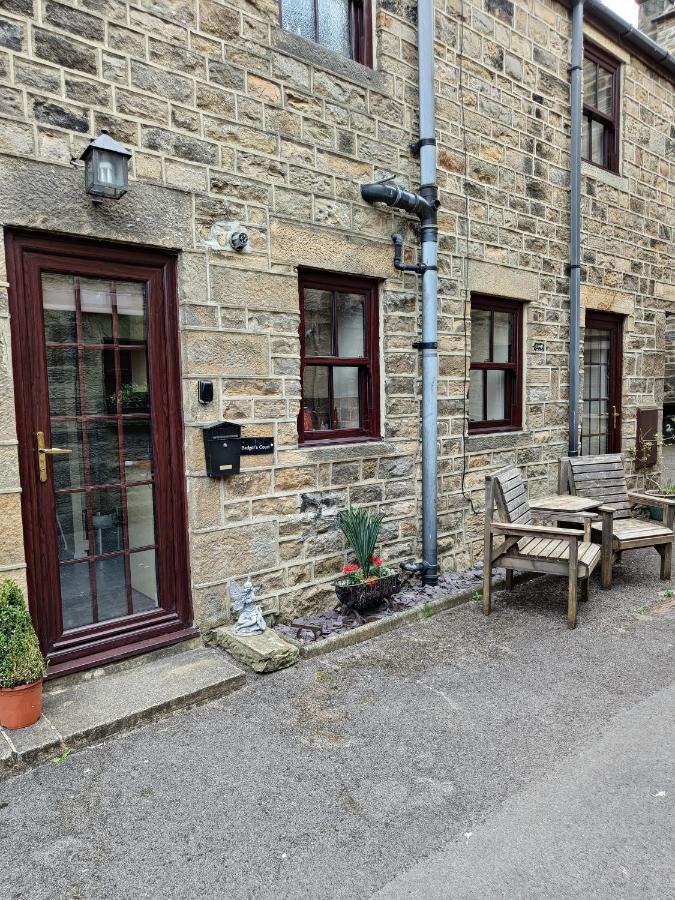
<point>250,620</point>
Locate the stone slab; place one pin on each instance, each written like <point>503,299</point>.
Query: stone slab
<point>264,652</point>
<point>78,711</point>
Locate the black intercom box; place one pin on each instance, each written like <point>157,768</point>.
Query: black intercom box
<point>222,449</point>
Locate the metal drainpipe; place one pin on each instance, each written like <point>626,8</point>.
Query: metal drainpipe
<point>428,348</point>
<point>576,69</point>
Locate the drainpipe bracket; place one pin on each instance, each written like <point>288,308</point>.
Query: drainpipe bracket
<point>416,146</point>
<point>425,345</point>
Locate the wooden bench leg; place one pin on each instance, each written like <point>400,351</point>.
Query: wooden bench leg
<point>509,579</point>
<point>606,550</point>
<point>666,554</point>
<point>487,585</point>
<point>572,584</point>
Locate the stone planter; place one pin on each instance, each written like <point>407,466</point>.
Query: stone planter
<point>370,593</point>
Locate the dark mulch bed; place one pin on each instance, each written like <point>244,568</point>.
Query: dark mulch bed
<point>319,626</point>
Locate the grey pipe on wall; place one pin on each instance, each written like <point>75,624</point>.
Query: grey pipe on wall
<point>576,73</point>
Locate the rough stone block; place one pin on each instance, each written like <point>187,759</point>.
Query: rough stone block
<point>264,652</point>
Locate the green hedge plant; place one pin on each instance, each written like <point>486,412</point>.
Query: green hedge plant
<point>21,661</point>
<point>361,529</point>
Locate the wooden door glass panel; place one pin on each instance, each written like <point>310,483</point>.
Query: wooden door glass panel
<point>99,399</point>
<point>595,432</point>
<point>601,419</point>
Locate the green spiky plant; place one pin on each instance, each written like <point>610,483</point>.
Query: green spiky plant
<point>21,660</point>
<point>361,529</point>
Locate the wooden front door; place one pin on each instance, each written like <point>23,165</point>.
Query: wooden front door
<point>601,424</point>
<point>97,387</point>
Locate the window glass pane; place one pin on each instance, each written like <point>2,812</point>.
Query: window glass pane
<point>106,521</point>
<point>131,311</point>
<point>134,394</point>
<point>298,16</point>
<point>67,470</point>
<point>140,516</point>
<point>137,449</point>
<point>476,377</point>
<point>143,580</point>
<point>589,82</point>
<point>104,465</point>
<point>598,143</point>
<point>586,137</point>
<point>58,303</point>
<point>111,588</point>
<point>99,380</point>
<point>75,596</point>
<point>351,325</point>
<point>334,25</point>
<point>318,306</point>
<point>315,397</point>
<point>496,395</point>
<point>501,341</point>
<point>346,397</point>
<point>71,524</point>
<point>480,335</point>
<point>64,385</point>
<point>604,90</point>
<point>96,305</point>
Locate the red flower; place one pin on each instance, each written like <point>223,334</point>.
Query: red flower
<point>376,560</point>
<point>351,567</point>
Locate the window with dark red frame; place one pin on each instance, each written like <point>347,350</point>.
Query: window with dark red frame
<point>600,124</point>
<point>495,376</point>
<point>339,337</point>
<point>340,25</point>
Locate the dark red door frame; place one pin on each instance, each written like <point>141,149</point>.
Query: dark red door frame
<point>613,324</point>
<point>28,255</point>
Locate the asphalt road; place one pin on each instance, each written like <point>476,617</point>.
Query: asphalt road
<point>460,757</point>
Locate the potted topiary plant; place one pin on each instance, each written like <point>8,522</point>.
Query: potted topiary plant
<point>22,665</point>
<point>368,580</point>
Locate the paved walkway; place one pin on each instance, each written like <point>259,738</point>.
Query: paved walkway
<point>460,757</point>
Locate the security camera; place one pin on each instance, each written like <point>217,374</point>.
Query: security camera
<point>238,240</point>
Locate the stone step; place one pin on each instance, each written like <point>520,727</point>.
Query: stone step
<point>81,711</point>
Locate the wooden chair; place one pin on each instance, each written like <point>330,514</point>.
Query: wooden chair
<point>604,478</point>
<point>528,547</point>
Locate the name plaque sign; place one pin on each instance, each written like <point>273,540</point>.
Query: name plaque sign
<point>252,446</point>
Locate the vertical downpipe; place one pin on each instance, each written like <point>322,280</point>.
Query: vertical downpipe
<point>429,190</point>
<point>576,69</point>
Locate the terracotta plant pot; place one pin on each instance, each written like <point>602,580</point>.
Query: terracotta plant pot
<point>20,706</point>
<point>369,593</point>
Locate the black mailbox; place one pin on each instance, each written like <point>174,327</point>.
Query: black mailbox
<point>222,449</point>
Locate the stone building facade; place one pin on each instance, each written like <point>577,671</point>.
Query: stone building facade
<point>233,121</point>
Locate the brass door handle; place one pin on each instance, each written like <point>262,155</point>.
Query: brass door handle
<point>615,415</point>
<point>43,452</point>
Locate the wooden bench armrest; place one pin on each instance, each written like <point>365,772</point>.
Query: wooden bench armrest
<point>534,530</point>
<point>648,500</point>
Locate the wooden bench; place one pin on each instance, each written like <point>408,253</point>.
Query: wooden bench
<point>527,547</point>
<point>604,478</point>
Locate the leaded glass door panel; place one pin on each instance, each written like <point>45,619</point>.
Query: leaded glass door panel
<point>601,422</point>
<point>100,434</point>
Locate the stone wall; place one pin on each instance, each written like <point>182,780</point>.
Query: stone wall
<point>231,120</point>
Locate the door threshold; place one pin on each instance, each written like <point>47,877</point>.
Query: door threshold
<point>109,660</point>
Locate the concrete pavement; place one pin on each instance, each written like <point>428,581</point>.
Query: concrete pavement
<point>362,772</point>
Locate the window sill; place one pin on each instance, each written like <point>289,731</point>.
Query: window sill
<point>613,179</point>
<point>497,440</point>
<point>354,448</point>
<point>309,51</point>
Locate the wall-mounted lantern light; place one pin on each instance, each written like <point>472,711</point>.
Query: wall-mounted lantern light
<point>106,168</point>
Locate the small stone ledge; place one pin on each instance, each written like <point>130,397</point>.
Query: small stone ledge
<point>266,652</point>
<point>332,62</point>
<point>613,179</point>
